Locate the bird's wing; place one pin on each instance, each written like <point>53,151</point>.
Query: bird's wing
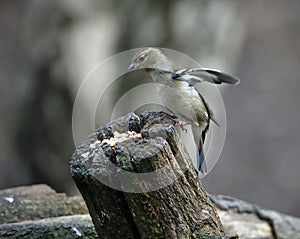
<point>197,75</point>
<point>210,113</point>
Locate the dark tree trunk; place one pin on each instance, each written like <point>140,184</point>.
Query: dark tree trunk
<point>142,187</point>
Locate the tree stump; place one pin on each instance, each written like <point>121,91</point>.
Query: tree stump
<point>139,182</point>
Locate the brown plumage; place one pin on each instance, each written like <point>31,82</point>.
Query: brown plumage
<point>177,91</point>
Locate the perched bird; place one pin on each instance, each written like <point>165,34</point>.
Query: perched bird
<point>176,87</point>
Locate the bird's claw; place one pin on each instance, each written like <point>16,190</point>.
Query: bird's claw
<point>176,121</point>
<point>181,125</point>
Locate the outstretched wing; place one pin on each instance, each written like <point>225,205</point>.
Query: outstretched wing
<point>197,75</point>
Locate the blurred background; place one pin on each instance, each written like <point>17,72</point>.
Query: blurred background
<point>48,47</point>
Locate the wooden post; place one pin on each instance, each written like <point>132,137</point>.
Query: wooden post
<point>141,183</point>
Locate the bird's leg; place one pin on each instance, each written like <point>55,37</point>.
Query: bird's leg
<point>180,124</point>
<point>177,122</point>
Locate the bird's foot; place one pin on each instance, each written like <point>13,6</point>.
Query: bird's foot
<point>180,124</point>
<point>177,122</point>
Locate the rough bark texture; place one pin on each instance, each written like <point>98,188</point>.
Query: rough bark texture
<point>252,221</point>
<point>67,227</point>
<point>248,220</point>
<point>39,212</point>
<point>37,202</point>
<point>170,203</point>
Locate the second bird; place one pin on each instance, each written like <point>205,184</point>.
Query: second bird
<point>178,93</point>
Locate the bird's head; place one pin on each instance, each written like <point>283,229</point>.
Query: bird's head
<point>150,58</point>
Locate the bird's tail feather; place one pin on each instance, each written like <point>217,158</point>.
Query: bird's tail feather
<point>201,164</point>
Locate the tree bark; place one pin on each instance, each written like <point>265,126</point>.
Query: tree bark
<point>37,202</point>
<point>142,186</point>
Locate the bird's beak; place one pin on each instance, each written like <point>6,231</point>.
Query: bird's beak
<point>133,66</point>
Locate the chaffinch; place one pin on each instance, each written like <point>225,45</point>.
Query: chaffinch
<point>177,91</point>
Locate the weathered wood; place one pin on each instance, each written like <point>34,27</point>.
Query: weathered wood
<point>237,216</point>
<point>37,202</point>
<point>252,221</point>
<point>38,211</point>
<point>142,187</point>
<point>66,227</point>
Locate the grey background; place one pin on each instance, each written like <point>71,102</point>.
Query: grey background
<point>48,47</point>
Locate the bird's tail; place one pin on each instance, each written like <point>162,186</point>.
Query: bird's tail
<point>201,164</point>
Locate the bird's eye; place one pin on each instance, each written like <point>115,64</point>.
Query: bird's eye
<point>141,58</point>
